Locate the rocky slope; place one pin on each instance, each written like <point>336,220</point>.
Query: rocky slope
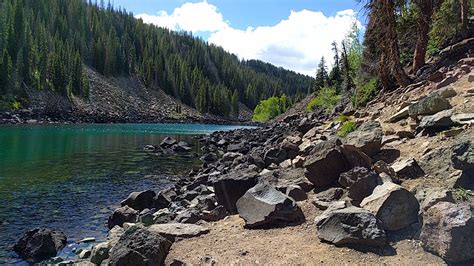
<point>112,100</point>
<point>396,191</point>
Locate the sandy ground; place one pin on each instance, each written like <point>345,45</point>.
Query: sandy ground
<point>228,243</point>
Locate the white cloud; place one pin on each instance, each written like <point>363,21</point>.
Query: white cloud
<point>193,17</point>
<point>296,43</point>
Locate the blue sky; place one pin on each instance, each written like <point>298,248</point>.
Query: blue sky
<point>290,33</point>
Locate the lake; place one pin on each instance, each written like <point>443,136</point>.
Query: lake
<point>71,177</point>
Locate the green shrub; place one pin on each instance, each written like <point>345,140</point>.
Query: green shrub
<point>365,91</point>
<point>326,99</point>
<point>15,105</point>
<point>346,128</point>
<point>342,118</point>
<point>462,194</point>
<point>270,108</point>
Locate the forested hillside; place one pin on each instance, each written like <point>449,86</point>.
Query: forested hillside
<point>44,46</point>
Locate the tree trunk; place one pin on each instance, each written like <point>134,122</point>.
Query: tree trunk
<point>390,42</point>
<point>423,21</point>
<point>464,15</point>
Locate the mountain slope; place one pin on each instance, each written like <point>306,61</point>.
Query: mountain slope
<point>44,46</point>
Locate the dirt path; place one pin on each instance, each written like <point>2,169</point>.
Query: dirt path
<point>228,243</point>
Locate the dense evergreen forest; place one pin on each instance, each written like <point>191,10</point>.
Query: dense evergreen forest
<point>45,45</point>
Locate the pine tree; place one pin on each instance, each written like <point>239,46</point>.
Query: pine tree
<point>235,104</point>
<point>322,76</point>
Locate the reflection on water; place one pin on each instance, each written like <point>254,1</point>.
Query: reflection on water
<point>71,177</point>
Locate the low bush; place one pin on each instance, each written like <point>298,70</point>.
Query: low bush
<point>346,128</point>
<point>365,91</point>
<point>325,99</point>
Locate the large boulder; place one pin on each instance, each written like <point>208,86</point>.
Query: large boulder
<point>325,164</point>
<point>352,226</point>
<point>360,181</point>
<point>368,138</point>
<point>40,244</point>
<point>448,231</point>
<point>139,200</point>
<point>274,155</point>
<point>437,122</point>
<point>172,231</point>
<point>428,106</point>
<point>140,247</point>
<point>263,205</point>
<point>122,215</point>
<point>463,156</point>
<point>230,187</point>
<point>100,252</point>
<point>395,206</point>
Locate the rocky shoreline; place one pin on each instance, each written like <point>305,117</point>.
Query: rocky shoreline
<point>405,173</point>
<point>29,116</point>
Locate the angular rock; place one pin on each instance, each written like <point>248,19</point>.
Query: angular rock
<point>430,105</point>
<point>367,138</point>
<point>139,200</point>
<point>329,195</point>
<point>447,231</point>
<point>324,205</point>
<point>230,187</point>
<point>274,155</point>
<point>296,193</point>
<point>178,230</point>
<point>140,247</point>
<point>263,205</point>
<point>168,142</point>
<point>402,114</point>
<point>325,164</point>
<point>209,157</point>
<point>122,215</point>
<point>439,121</point>
<point>182,147</point>
<point>40,244</point>
<point>463,119</point>
<point>100,252</point>
<point>463,156</point>
<point>395,206</point>
<point>434,196</point>
<point>361,182</point>
<point>352,226</point>
<point>216,214</point>
<point>408,168</point>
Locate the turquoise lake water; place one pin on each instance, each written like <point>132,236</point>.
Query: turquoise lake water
<point>71,177</point>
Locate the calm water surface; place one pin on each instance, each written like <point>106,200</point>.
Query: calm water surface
<point>71,177</point>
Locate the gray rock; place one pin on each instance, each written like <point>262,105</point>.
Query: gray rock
<point>100,252</point>
<point>40,244</point>
<point>140,247</point>
<point>408,168</point>
<point>352,226</point>
<point>178,230</point>
<point>216,214</point>
<point>430,105</point>
<point>329,195</point>
<point>367,138</point>
<point>274,155</point>
<point>230,187</point>
<point>182,147</point>
<point>325,164</point>
<point>84,254</point>
<point>402,114</point>
<point>168,142</point>
<point>433,196</point>
<point>463,119</point>
<point>163,216</point>
<point>296,193</point>
<point>463,156</point>
<point>263,205</point>
<point>360,182</point>
<point>122,215</point>
<point>139,200</point>
<point>447,231</point>
<point>395,206</point>
<point>438,121</point>
<point>324,205</point>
